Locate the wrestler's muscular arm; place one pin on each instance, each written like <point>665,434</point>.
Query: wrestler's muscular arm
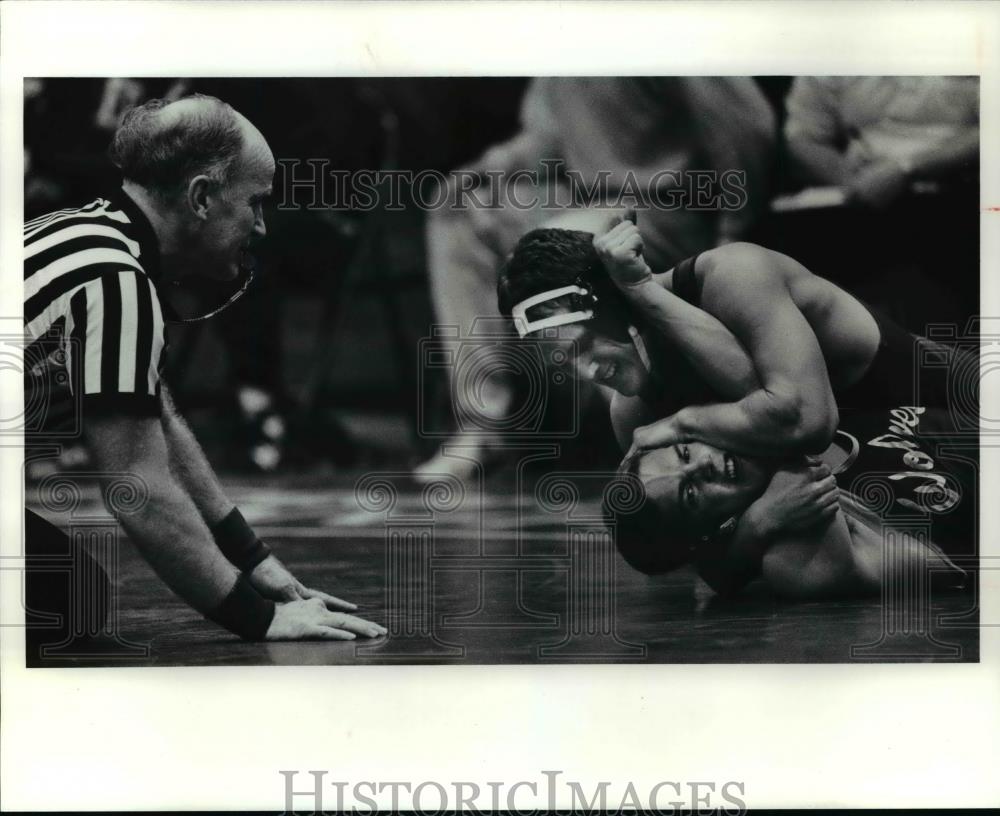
<point>708,345</point>
<point>729,564</point>
<point>794,410</point>
<point>763,355</point>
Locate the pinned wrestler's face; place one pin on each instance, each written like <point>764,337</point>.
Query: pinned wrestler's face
<point>698,486</point>
<point>603,358</point>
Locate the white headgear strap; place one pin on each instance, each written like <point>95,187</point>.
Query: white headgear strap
<point>525,326</point>
<point>640,347</point>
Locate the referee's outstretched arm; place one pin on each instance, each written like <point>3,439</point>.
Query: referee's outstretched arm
<point>195,174</point>
<point>229,529</point>
<point>172,536</point>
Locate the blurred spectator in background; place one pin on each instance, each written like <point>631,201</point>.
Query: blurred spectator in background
<point>623,128</point>
<point>343,258</point>
<point>307,248</point>
<point>68,123</point>
<point>903,152</point>
<point>880,137</point>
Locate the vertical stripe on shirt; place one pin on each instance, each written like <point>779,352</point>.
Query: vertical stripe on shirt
<point>112,323</point>
<point>128,361</point>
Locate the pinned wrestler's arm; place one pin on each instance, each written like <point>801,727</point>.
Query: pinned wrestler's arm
<point>798,499</point>
<point>845,556</point>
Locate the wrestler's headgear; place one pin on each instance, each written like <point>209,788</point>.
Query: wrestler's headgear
<point>591,296</point>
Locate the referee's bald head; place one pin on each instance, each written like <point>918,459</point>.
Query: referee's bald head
<point>162,145</point>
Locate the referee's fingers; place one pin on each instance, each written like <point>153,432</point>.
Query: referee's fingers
<point>359,626</point>
<point>331,601</point>
<point>329,633</point>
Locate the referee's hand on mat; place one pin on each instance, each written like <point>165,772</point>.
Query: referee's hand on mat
<point>311,620</point>
<point>272,579</point>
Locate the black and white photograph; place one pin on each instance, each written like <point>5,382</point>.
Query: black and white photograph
<point>502,370</point>
<point>401,374</point>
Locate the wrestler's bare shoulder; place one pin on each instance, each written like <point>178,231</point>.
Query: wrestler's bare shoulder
<point>734,274</point>
<point>743,259</point>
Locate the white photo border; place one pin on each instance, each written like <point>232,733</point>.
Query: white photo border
<point>216,738</point>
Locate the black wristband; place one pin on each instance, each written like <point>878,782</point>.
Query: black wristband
<point>238,542</point>
<point>244,612</point>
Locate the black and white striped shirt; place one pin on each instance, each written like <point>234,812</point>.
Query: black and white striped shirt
<point>89,282</point>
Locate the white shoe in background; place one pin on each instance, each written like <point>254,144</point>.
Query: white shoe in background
<point>462,458</point>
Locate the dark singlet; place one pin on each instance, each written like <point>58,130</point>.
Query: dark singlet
<point>905,481</point>
<point>908,457</point>
<point>685,285</point>
<point>686,386</point>
<point>906,369</point>
<point>888,380</point>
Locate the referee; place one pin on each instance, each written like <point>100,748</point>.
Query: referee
<point>103,279</point>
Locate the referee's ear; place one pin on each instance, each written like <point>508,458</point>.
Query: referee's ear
<point>198,196</point>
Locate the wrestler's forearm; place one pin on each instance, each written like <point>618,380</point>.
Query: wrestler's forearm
<point>760,424</point>
<point>711,348</point>
<point>729,567</point>
<point>190,467</point>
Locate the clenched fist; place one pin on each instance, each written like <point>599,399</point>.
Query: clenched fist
<point>620,250</point>
<point>800,498</point>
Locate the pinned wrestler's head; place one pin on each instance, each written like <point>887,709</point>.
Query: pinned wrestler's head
<point>692,493</point>
<point>554,285</point>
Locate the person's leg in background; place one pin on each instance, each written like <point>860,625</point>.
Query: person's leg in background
<point>465,249</point>
<point>462,270</point>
